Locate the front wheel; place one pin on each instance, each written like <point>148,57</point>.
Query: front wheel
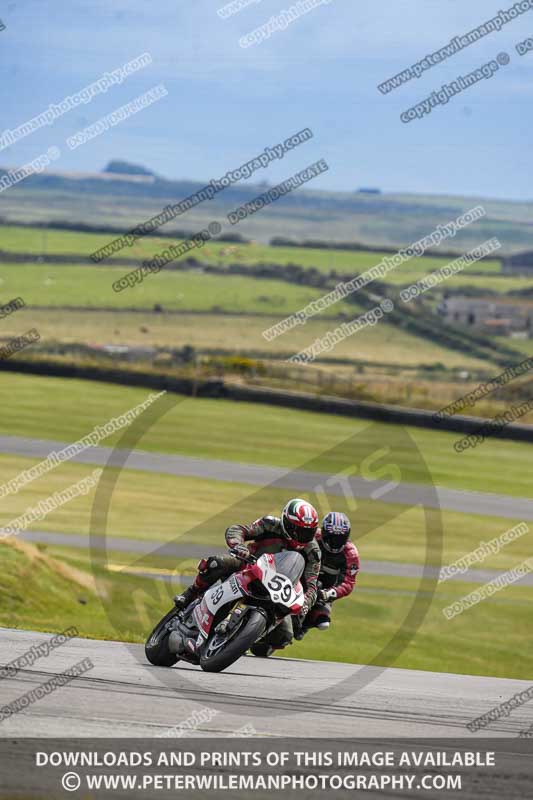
<point>252,629</point>
<point>156,647</point>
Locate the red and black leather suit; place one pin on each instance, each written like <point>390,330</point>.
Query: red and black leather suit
<point>338,571</point>
<point>265,535</point>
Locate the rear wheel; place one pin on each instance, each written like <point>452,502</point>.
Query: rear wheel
<point>215,660</point>
<point>156,647</point>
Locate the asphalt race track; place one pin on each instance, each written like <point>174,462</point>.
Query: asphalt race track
<point>467,502</point>
<point>124,696</point>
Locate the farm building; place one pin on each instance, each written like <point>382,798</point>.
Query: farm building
<point>502,316</point>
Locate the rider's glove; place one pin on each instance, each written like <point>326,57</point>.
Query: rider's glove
<point>240,550</point>
<point>325,595</point>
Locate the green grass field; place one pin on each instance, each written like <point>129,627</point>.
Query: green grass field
<point>157,508</point>
<point>480,641</point>
<point>490,639</point>
<point>90,287</point>
<point>523,346</point>
<point>33,240</point>
<point>240,333</point>
<point>483,284</point>
<point>65,410</point>
<point>63,285</point>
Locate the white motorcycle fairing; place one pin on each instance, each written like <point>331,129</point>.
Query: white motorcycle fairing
<point>279,587</point>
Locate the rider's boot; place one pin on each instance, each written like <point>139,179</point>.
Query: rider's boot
<point>181,601</point>
<point>201,583</point>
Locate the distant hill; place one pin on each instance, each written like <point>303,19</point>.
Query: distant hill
<point>125,168</point>
<point>123,198</point>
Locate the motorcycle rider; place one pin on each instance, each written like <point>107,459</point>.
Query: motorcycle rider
<point>338,571</point>
<point>294,530</point>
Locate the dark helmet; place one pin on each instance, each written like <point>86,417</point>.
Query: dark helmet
<point>299,520</point>
<point>335,531</point>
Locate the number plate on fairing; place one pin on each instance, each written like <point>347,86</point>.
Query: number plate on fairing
<point>281,589</point>
<point>221,594</point>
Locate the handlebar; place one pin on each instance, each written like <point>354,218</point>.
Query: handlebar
<point>250,559</point>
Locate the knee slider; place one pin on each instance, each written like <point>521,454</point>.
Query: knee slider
<point>323,626</point>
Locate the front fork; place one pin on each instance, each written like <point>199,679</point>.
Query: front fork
<point>232,620</point>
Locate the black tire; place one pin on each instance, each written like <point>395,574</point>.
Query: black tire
<point>156,647</point>
<point>252,629</point>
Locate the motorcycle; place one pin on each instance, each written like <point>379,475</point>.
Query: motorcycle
<point>218,628</point>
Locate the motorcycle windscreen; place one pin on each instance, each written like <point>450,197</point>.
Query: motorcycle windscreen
<point>291,564</point>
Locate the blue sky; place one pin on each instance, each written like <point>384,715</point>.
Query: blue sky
<point>226,103</point>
